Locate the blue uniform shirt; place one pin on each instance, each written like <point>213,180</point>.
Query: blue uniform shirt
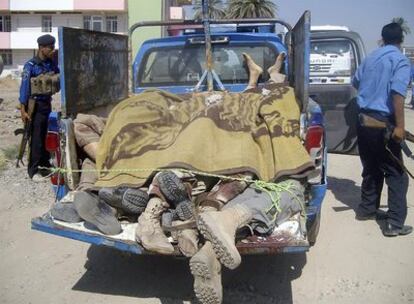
<point>34,67</point>
<point>384,72</point>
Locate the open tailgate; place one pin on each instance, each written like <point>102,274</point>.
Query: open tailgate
<point>280,242</point>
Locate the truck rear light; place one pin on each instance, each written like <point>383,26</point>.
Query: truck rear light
<point>53,147</point>
<point>57,179</point>
<point>52,142</point>
<point>314,137</point>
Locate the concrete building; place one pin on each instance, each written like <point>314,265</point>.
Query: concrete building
<point>155,10</point>
<point>409,52</point>
<point>23,21</point>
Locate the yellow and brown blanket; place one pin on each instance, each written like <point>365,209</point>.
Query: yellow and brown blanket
<point>216,132</point>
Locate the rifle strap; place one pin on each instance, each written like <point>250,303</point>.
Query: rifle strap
<point>399,162</point>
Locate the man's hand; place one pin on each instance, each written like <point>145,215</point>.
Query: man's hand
<point>24,115</point>
<point>399,134</point>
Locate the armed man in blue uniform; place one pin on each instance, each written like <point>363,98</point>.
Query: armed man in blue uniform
<point>35,72</point>
<point>382,81</point>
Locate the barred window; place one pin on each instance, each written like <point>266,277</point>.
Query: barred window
<point>7,57</point>
<point>94,23</point>
<point>112,24</point>
<point>5,24</point>
<point>46,24</point>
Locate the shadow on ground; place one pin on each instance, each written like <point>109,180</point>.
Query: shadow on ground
<point>345,191</point>
<point>260,279</point>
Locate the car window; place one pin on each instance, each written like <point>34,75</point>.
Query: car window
<point>332,61</point>
<point>185,65</point>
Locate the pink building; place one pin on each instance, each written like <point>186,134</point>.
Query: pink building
<point>22,22</point>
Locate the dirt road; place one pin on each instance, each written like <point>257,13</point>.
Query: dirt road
<point>351,262</point>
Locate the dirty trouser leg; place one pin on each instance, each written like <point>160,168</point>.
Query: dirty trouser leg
<point>88,178</point>
<point>265,214</point>
<point>88,130</point>
<point>39,157</point>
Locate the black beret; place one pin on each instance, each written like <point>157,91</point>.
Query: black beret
<point>46,40</point>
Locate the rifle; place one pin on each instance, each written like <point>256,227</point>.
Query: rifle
<point>26,132</point>
<point>370,122</point>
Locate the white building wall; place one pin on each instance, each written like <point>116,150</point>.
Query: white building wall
<point>27,27</point>
<point>122,23</point>
<point>41,5</point>
<point>20,57</point>
<point>68,20</point>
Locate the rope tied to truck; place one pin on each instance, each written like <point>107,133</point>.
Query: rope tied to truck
<point>273,190</point>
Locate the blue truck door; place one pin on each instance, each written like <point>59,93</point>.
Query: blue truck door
<point>93,69</point>
<point>301,59</point>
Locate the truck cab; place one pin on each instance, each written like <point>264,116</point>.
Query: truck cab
<point>176,64</point>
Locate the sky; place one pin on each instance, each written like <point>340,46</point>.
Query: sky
<point>367,17</point>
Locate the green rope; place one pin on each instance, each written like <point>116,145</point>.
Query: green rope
<point>272,189</point>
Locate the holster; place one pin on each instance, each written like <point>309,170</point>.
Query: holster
<point>222,193</point>
<point>45,84</point>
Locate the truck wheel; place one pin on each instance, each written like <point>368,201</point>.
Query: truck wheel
<point>313,230</point>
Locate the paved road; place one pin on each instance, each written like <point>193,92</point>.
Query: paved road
<point>351,262</point>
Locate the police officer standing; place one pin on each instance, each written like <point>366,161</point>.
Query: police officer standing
<point>42,63</point>
<point>382,81</point>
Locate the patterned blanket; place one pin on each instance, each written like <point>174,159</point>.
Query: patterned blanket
<point>216,132</point>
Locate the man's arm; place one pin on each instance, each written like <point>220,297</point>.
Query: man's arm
<point>398,103</point>
<point>399,85</point>
<point>25,91</point>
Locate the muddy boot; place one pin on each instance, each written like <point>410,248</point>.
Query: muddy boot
<point>130,200</point>
<point>206,270</point>
<point>188,241</point>
<point>96,212</point>
<point>225,191</point>
<point>219,227</point>
<point>149,232</point>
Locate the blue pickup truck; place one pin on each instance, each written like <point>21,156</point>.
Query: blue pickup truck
<point>95,77</point>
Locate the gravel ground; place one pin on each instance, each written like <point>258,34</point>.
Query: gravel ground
<point>351,262</point>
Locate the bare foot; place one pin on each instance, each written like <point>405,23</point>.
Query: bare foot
<point>254,70</point>
<point>274,70</point>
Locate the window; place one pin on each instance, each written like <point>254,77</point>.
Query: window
<point>94,23</point>
<point>7,57</point>
<point>184,66</point>
<point>46,23</point>
<point>332,61</point>
<point>5,24</point>
<point>112,24</point>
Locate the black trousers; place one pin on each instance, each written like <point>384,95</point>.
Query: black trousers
<point>39,157</point>
<point>378,165</point>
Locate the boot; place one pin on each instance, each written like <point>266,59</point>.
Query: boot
<point>188,241</point>
<point>219,227</point>
<point>225,191</point>
<point>149,232</point>
<point>206,270</point>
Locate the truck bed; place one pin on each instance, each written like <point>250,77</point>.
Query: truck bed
<point>283,240</point>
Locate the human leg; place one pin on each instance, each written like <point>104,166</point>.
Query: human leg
<point>39,156</point>
<point>275,70</point>
<point>371,146</point>
<point>254,71</point>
